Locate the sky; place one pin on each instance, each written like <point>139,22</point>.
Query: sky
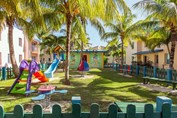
<point>93,33</point>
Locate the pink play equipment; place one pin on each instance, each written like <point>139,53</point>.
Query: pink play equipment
<point>46,89</point>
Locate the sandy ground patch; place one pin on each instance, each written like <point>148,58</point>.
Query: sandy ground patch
<point>84,76</point>
<point>64,106</point>
<point>154,87</point>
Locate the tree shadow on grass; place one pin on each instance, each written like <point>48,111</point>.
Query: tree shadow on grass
<point>113,76</point>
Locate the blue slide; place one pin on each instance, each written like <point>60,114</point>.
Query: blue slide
<point>49,72</point>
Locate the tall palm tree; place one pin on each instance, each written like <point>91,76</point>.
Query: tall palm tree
<point>119,30</point>
<point>8,14</point>
<point>165,14</point>
<point>13,13</point>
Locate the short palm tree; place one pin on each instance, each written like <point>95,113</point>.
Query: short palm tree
<point>119,30</point>
<point>114,48</point>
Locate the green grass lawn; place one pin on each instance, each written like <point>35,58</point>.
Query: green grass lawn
<point>101,86</point>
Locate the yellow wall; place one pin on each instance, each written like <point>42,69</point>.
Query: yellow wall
<point>140,46</point>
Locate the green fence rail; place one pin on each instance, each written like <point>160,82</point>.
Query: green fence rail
<point>37,112</point>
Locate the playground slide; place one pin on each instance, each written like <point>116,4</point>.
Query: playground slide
<point>23,65</point>
<point>41,76</point>
<point>49,72</point>
<point>31,68</point>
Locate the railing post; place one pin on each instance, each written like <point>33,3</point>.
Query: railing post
<point>131,69</point>
<point>155,71</point>
<point>144,71</point>
<point>112,113</point>
<point>94,111</point>
<point>169,74</point>
<point>10,72</point>
<point>118,68</point>
<point>0,73</point>
<point>4,77</point>
<point>114,66</point>
<point>137,70</point>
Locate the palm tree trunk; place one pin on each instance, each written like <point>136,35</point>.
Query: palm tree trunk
<point>82,44</point>
<point>69,22</point>
<point>168,48</point>
<point>11,48</point>
<point>122,54</point>
<point>173,45</point>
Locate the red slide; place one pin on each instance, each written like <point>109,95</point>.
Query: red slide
<point>41,76</point>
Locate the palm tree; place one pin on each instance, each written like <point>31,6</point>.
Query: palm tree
<point>70,10</point>
<point>165,14</point>
<point>120,30</point>
<point>9,13</point>
<point>114,48</point>
<point>48,42</point>
<point>13,13</point>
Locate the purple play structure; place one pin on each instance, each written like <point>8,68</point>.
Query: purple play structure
<point>32,67</point>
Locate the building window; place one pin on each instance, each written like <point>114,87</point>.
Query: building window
<point>156,59</point>
<point>49,59</point>
<point>0,59</point>
<point>20,42</point>
<point>167,58</point>
<point>8,58</point>
<point>20,58</point>
<point>145,59</point>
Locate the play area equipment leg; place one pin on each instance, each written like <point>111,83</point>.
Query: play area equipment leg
<point>47,100</point>
<point>76,100</point>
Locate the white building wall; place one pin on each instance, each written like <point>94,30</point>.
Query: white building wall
<point>4,46</point>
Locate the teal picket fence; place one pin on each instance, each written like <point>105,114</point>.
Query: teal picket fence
<point>149,72</point>
<point>133,70</point>
<point>6,73</point>
<point>108,65</point>
<point>141,70</point>
<point>174,75</point>
<point>161,73</point>
<point>94,112</point>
